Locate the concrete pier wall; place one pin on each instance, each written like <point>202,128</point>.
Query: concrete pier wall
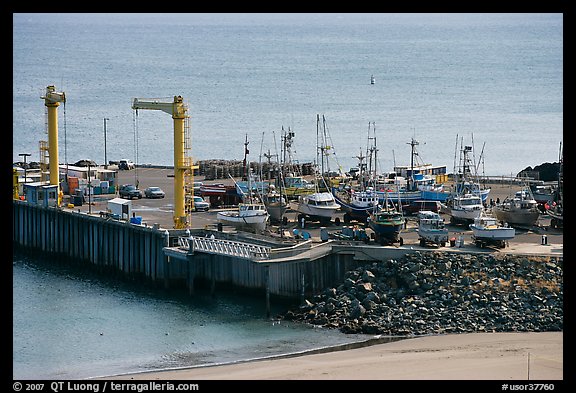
<point>138,252</point>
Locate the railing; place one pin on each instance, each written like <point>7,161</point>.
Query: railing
<point>224,247</point>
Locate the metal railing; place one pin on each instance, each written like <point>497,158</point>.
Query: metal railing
<point>224,247</point>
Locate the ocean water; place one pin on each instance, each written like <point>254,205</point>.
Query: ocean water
<point>493,80</point>
<point>70,323</point>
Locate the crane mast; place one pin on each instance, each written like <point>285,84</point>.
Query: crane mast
<point>52,100</point>
<point>183,164</point>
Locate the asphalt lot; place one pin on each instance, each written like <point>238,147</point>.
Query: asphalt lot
<point>160,211</point>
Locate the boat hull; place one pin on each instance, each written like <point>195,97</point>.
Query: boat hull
<point>443,196</point>
<point>318,206</point>
<point>256,222</point>
<point>327,212</point>
<point>500,233</point>
<point>277,211</point>
<point>523,218</point>
<point>387,228</point>
<point>353,211</point>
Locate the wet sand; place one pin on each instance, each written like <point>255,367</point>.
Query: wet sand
<point>470,356</point>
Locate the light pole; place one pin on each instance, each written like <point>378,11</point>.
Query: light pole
<point>25,165</point>
<point>105,157</point>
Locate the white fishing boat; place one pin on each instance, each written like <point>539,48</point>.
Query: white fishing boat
<point>466,204</point>
<point>320,206</point>
<point>486,230</point>
<point>248,216</point>
<point>251,213</point>
<point>464,207</point>
<point>432,229</point>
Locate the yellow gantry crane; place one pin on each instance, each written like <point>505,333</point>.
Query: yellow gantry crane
<point>183,163</point>
<point>52,100</point>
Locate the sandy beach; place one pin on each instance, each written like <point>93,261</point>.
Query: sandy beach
<point>470,356</point>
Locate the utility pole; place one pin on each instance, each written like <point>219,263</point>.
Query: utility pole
<point>105,157</point>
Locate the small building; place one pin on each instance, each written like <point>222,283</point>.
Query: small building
<point>41,193</point>
<point>120,208</point>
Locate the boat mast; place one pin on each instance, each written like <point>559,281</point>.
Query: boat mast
<point>246,151</point>
<point>413,142</point>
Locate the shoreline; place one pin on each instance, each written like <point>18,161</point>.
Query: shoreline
<point>464,356</point>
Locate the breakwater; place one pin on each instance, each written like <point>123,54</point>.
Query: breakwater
<point>436,293</point>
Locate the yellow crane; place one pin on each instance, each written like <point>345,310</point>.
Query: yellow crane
<point>183,164</point>
<point>52,100</point>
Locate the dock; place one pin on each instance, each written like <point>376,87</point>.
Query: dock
<point>277,264</point>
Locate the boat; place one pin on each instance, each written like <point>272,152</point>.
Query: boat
<point>319,205</point>
<point>464,207</point>
<point>296,186</point>
<point>387,223</point>
<point>251,213</point>
<point>276,205</point>
<point>431,228</point>
<point>357,205</point>
<point>519,210</point>
<point>466,203</point>
<point>359,202</point>
<point>486,230</point>
<point>250,216</point>
<point>543,193</point>
<point>416,181</point>
<point>465,180</point>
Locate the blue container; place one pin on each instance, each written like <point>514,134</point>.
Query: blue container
<point>136,220</point>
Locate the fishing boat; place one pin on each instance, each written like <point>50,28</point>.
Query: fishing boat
<point>431,229</point>
<point>276,205</point>
<point>320,205</point>
<point>416,181</point>
<point>387,224</point>
<point>464,207</point>
<point>359,202</point>
<point>486,230</point>
<point>251,213</point>
<point>357,205</point>
<point>250,216</point>
<point>466,202</point>
<point>518,210</point>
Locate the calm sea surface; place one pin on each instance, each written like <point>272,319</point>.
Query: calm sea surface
<point>494,80</point>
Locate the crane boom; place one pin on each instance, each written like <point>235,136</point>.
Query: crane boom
<point>176,108</point>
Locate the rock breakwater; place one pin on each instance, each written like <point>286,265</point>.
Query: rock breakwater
<point>437,293</point>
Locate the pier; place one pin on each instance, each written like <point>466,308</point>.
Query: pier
<point>203,256</point>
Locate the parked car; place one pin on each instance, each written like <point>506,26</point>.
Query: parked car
<point>154,192</point>
<point>197,186</point>
<point>129,191</point>
<point>200,204</point>
<point>126,164</point>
